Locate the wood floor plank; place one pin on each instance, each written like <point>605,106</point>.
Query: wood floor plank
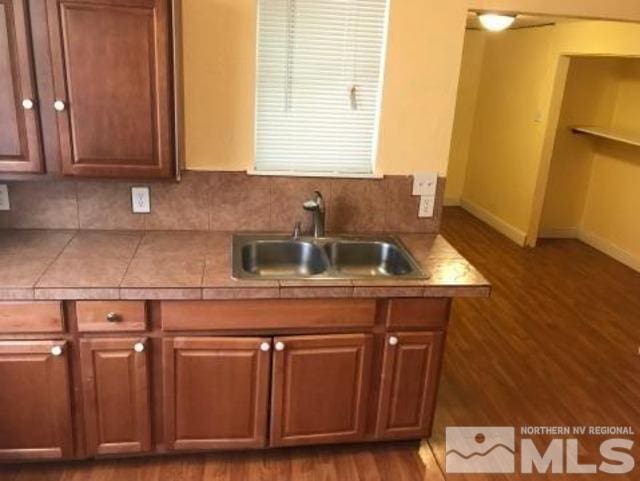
<point>556,344</point>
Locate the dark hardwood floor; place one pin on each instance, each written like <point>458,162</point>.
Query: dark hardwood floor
<point>556,344</point>
<point>396,462</point>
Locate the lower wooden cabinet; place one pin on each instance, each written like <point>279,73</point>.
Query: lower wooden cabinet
<point>320,388</point>
<point>196,392</point>
<point>410,371</point>
<point>35,409</point>
<point>115,379</point>
<point>216,392</point>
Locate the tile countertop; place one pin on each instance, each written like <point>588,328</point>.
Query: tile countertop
<point>69,265</point>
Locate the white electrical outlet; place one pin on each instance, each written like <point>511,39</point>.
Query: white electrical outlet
<point>427,206</point>
<point>425,183</point>
<point>140,200</point>
<point>4,197</point>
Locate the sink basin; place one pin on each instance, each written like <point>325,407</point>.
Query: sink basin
<point>368,258</point>
<point>282,258</point>
<point>269,256</point>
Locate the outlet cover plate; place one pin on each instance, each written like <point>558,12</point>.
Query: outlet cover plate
<point>4,197</point>
<point>427,206</point>
<point>425,183</point>
<point>140,200</point>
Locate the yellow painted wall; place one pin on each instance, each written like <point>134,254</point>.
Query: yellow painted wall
<point>577,38</point>
<point>514,130</point>
<point>589,99</point>
<point>592,191</point>
<point>425,45</point>
<point>504,151</point>
<point>467,100</point>
<point>612,207</point>
<point>218,44</point>
<point>613,203</point>
<point>421,75</point>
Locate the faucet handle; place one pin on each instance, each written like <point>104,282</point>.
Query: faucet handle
<point>310,205</point>
<point>297,229</point>
<point>315,204</point>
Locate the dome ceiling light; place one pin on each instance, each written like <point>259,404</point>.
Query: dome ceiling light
<point>495,22</point>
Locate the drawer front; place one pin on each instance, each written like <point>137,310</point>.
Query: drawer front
<point>267,314</point>
<point>418,313</point>
<point>30,317</point>
<point>111,316</point>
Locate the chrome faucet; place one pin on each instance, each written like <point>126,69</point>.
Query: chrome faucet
<point>316,206</point>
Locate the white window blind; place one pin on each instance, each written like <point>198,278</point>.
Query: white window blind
<point>319,84</point>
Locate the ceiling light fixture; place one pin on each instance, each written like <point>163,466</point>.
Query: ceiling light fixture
<point>495,22</point>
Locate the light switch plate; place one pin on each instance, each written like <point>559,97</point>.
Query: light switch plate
<point>427,206</point>
<point>425,183</point>
<point>140,200</point>
<point>4,197</point>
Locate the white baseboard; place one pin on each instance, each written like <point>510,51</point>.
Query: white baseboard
<point>451,202</point>
<point>609,248</point>
<point>567,233</point>
<point>506,229</point>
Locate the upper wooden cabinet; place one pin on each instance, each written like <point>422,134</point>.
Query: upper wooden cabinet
<point>320,388</point>
<point>35,406</point>
<point>20,146</point>
<point>111,72</point>
<point>104,71</point>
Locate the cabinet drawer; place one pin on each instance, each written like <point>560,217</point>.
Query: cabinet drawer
<point>111,316</point>
<point>418,313</point>
<point>267,314</point>
<point>30,317</point>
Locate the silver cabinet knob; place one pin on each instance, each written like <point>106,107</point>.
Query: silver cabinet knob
<point>56,351</point>
<point>265,347</point>
<point>138,347</point>
<point>393,341</point>
<point>279,346</point>
<point>113,317</point>
<point>28,104</point>
<point>59,105</point>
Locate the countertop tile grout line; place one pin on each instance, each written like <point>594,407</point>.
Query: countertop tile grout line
<point>133,256</point>
<point>53,260</point>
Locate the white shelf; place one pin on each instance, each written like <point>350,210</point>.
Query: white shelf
<point>621,136</point>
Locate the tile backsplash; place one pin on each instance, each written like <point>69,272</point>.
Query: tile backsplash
<point>220,201</point>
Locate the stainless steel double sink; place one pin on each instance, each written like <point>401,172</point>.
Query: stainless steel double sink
<point>266,256</point>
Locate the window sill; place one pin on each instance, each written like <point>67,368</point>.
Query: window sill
<point>331,175</point>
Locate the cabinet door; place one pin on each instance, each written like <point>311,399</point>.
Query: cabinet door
<point>320,389</point>
<point>35,414</point>
<point>20,148</point>
<point>112,86</point>
<point>215,392</point>
<point>115,380</point>
<point>410,372</point>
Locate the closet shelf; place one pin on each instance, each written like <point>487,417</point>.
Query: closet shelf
<point>615,135</point>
